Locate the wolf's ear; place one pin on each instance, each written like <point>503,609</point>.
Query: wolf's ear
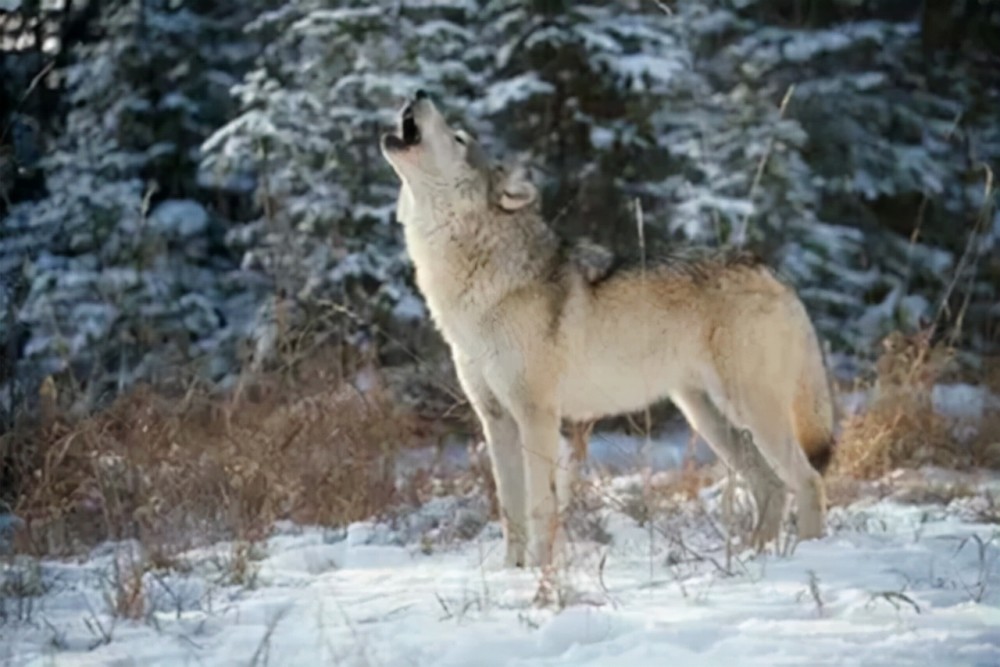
<point>516,189</point>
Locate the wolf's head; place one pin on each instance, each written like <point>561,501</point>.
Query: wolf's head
<point>439,164</point>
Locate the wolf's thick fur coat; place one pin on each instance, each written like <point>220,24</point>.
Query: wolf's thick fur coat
<point>536,339</point>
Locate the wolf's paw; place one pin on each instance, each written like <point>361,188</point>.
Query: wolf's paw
<point>771,509</point>
<point>766,532</point>
<point>515,556</point>
<point>812,511</point>
<point>810,526</point>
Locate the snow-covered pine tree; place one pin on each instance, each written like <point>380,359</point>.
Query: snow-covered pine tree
<point>882,140</point>
<point>617,101</point>
<point>897,144</point>
<point>307,142</point>
<point>575,87</point>
<point>123,283</point>
<point>740,175</point>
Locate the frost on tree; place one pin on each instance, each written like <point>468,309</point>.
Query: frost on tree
<point>121,276</point>
<point>217,175</point>
<point>307,144</point>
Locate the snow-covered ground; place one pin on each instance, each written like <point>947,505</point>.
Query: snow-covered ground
<point>892,584</point>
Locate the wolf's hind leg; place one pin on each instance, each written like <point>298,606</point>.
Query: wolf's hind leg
<point>768,491</point>
<point>773,434</point>
<point>579,439</point>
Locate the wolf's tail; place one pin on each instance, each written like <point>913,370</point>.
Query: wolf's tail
<point>821,455</point>
<point>813,410</point>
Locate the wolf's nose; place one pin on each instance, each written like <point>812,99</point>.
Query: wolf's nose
<point>421,95</point>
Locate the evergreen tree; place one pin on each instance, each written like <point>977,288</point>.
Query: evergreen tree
<point>896,145</point>
<point>208,179</point>
<point>124,280</point>
<point>327,86</point>
<point>577,88</point>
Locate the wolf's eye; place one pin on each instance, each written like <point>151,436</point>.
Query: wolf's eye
<point>460,139</point>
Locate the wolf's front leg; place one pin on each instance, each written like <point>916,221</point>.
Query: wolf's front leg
<point>506,459</point>
<point>508,472</point>
<point>540,435</point>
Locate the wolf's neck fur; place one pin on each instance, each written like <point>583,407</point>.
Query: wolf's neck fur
<point>467,264</point>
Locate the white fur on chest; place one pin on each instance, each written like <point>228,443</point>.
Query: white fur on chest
<point>459,302</point>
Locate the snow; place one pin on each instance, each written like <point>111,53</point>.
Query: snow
<point>959,401</point>
<point>409,308</point>
<point>9,523</point>
<point>964,401</point>
<point>892,584</point>
<point>639,66</point>
<point>617,451</point>
<point>322,17</point>
<point>182,218</point>
<point>503,94</point>
<point>601,137</point>
<point>690,211</point>
<point>323,82</point>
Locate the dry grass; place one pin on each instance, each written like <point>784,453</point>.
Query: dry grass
<point>900,429</point>
<point>304,445</point>
<point>664,493</point>
<point>164,469</point>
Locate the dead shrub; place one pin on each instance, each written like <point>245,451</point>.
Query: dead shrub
<point>662,494</point>
<point>168,470</point>
<point>891,434</point>
<point>900,427</point>
<point>327,458</point>
<point>986,453</point>
<point>126,595</point>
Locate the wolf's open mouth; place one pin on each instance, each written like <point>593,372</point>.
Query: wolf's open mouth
<point>407,135</point>
<point>408,127</point>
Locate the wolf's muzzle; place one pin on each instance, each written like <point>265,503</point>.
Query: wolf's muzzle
<point>409,132</point>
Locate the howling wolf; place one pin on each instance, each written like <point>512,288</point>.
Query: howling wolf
<point>536,339</point>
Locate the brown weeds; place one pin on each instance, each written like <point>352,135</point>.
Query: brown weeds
<point>168,470</point>
<point>900,428</point>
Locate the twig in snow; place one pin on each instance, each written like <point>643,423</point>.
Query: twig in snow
<point>894,598</point>
<point>263,652</point>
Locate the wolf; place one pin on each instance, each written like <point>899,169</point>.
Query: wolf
<point>535,339</point>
